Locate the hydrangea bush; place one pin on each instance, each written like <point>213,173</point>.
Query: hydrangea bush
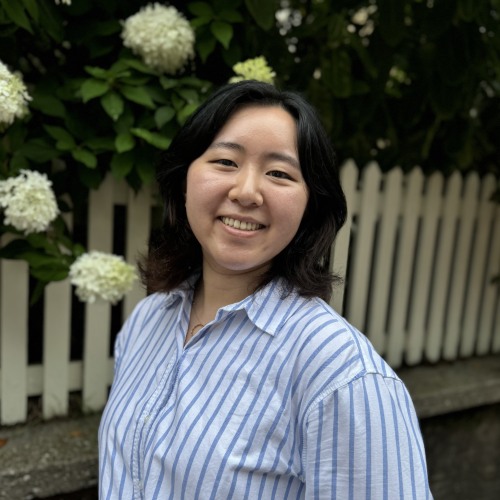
<point>161,36</point>
<point>89,91</point>
<point>14,96</point>
<point>28,202</point>
<point>101,275</point>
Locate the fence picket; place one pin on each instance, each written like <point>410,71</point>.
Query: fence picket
<point>490,294</point>
<point>443,260</point>
<point>467,214</point>
<point>357,292</point>
<point>383,260</point>
<point>403,267</point>
<point>14,295</point>
<point>422,291</point>
<point>57,328</point>
<point>340,250</point>
<point>477,270</point>
<point>98,314</point>
<point>137,235</point>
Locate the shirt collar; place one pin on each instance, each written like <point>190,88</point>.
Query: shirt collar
<point>268,308</point>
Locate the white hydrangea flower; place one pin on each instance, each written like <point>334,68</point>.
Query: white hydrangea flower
<point>101,275</point>
<point>28,201</point>
<point>66,2</point>
<point>161,36</point>
<point>14,96</point>
<point>253,69</point>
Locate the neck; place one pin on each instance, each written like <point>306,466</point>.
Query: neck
<point>216,290</point>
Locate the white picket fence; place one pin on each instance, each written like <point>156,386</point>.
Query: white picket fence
<point>418,255</point>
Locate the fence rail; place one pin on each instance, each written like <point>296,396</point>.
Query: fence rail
<point>418,255</point>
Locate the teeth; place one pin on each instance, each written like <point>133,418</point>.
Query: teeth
<point>244,226</point>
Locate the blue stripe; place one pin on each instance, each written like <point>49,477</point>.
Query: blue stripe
<point>383,443</point>
<point>368,490</point>
<point>351,442</point>
<point>317,469</point>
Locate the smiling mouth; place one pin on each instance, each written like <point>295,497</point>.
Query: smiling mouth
<point>241,225</point>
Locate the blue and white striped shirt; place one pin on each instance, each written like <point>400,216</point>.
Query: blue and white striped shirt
<point>274,399</point>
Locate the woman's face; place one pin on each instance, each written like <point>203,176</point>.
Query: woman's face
<point>245,195</point>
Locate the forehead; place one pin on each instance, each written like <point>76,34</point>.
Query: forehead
<point>267,123</point>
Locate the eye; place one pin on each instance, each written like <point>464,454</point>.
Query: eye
<point>279,174</point>
<point>225,162</point>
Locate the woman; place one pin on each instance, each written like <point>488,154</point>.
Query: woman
<point>234,378</point>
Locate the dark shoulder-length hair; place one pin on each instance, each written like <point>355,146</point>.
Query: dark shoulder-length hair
<point>175,254</point>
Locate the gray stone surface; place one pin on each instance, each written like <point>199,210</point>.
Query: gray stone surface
<point>449,387</point>
<point>463,454</point>
<point>40,460</point>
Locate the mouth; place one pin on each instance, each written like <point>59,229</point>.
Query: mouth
<point>241,225</point>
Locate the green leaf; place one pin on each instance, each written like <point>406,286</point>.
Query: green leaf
<point>135,81</point>
<point>122,164</point>
<point>139,66</point>
<point>163,115</point>
<point>90,177</point>
<point>15,11</point>
<point>52,272</point>
<point>223,32</point>
<point>189,95</point>
<point>78,250</point>
<point>51,21</point>
<point>231,16</point>
<point>65,145</point>
<point>85,156</point>
<point>113,104</point>
<point>201,9</point>
<point>37,292</point>
<point>18,162</point>
<point>96,72</point>
<point>100,144</point>
<point>41,241</point>
<point>146,171</point>
<point>38,150</point>
<point>125,122</point>
<point>138,95</point>
<point>168,83</point>
<point>47,104</point>
<point>263,11</point>
<point>186,112</point>
<point>93,88</point>
<point>153,138</point>
<point>124,142</point>
<point>14,249</point>
<point>200,21</point>
<point>37,259</point>
<point>32,7</point>
<point>59,134</point>
<point>205,46</point>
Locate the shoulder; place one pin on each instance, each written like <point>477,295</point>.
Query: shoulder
<point>146,315</point>
<point>330,351</point>
<point>150,305</point>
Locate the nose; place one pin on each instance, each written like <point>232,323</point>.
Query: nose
<point>246,189</point>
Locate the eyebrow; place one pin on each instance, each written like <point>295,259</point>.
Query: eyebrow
<point>271,156</point>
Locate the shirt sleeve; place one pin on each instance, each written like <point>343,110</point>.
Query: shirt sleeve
<point>363,441</point>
